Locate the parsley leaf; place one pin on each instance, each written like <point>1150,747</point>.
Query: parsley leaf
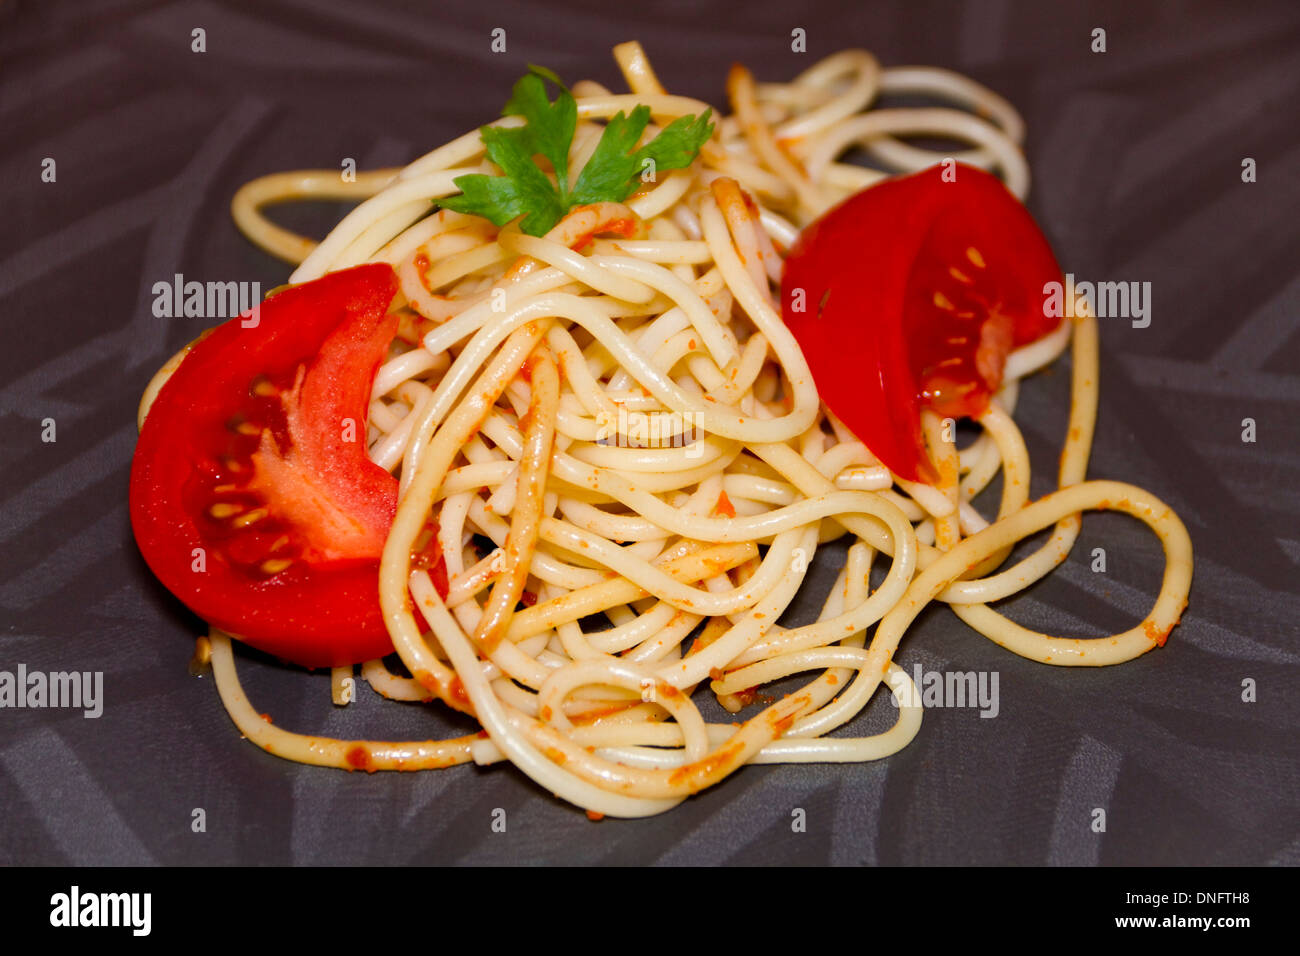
<point>550,126</point>
<point>611,175</point>
<point>524,190</point>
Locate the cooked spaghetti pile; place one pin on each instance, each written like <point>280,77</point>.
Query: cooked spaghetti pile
<point>616,471</point>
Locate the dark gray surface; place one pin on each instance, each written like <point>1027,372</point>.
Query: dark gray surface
<point>1136,157</point>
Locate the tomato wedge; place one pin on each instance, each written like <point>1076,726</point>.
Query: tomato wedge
<point>909,295</point>
<point>252,496</point>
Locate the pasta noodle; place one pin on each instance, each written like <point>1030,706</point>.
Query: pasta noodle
<point>611,423</point>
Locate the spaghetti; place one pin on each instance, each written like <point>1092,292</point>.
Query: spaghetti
<point>617,413</point>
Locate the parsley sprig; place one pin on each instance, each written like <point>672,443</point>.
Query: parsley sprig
<point>610,175</point>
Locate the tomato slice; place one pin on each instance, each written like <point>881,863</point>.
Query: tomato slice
<point>252,496</point>
<point>909,295</point>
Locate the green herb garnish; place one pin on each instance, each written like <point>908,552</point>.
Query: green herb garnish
<point>611,175</point>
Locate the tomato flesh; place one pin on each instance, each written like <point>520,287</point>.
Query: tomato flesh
<point>909,295</point>
<point>252,496</point>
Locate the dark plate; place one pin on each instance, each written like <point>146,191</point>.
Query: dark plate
<point>1137,161</point>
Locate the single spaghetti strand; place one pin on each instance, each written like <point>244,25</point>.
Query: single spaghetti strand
<point>324,751</point>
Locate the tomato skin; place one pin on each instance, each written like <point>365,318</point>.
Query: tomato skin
<point>913,292</point>
<point>296,378</point>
